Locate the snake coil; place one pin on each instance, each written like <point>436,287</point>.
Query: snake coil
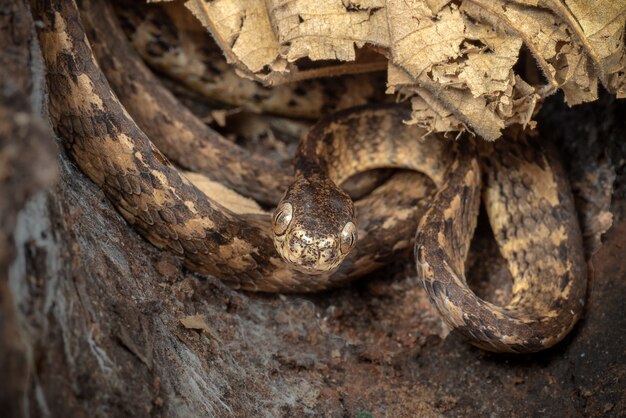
<point>528,201</point>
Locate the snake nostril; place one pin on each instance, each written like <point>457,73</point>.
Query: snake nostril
<point>309,253</point>
<point>326,255</point>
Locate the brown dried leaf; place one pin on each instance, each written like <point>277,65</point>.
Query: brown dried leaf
<point>259,44</point>
<point>427,111</point>
<point>226,197</point>
<point>464,63</point>
<point>549,39</point>
<point>599,27</point>
<point>455,60</point>
<point>303,27</point>
<point>242,29</point>
<point>198,323</point>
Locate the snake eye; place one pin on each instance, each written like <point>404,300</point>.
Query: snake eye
<point>282,218</point>
<point>347,238</point>
<point>419,253</point>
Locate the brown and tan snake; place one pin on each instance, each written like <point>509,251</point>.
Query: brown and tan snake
<point>529,204</point>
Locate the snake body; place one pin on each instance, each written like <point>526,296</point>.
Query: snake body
<point>164,206</point>
<point>531,211</point>
<point>314,224</point>
<point>529,204</point>
<point>173,129</point>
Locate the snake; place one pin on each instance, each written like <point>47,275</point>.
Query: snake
<point>140,91</point>
<point>525,191</point>
<point>178,133</point>
<point>167,209</point>
<point>532,215</point>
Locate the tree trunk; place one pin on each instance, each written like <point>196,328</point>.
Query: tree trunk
<point>94,321</point>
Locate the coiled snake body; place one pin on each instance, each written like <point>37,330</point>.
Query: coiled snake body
<point>529,204</point>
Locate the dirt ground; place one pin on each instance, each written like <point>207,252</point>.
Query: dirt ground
<point>96,322</point>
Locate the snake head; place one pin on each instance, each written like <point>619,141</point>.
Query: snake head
<point>313,226</point>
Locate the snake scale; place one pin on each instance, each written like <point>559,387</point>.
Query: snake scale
<point>528,201</point>
<point>164,206</point>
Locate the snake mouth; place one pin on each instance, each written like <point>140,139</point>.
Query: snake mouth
<point>309,255</point>
<point>310,271</point>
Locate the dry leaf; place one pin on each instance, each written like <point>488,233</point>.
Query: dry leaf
<point>549,39</point>
<point>226,197</point>
<point>599,27</point>
<point>198,323</point>
<point>455,60</point>
<point>303,27</point>
<point>243,30</point>
<point>427,111</point>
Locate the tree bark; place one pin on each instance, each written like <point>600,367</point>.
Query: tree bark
<point>27,164</point>
<point>96,322</point>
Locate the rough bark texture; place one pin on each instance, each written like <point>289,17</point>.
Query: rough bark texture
<point>27,164</point>
<point>96,322</point>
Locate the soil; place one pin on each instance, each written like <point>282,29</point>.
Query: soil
<point>96,322</point>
